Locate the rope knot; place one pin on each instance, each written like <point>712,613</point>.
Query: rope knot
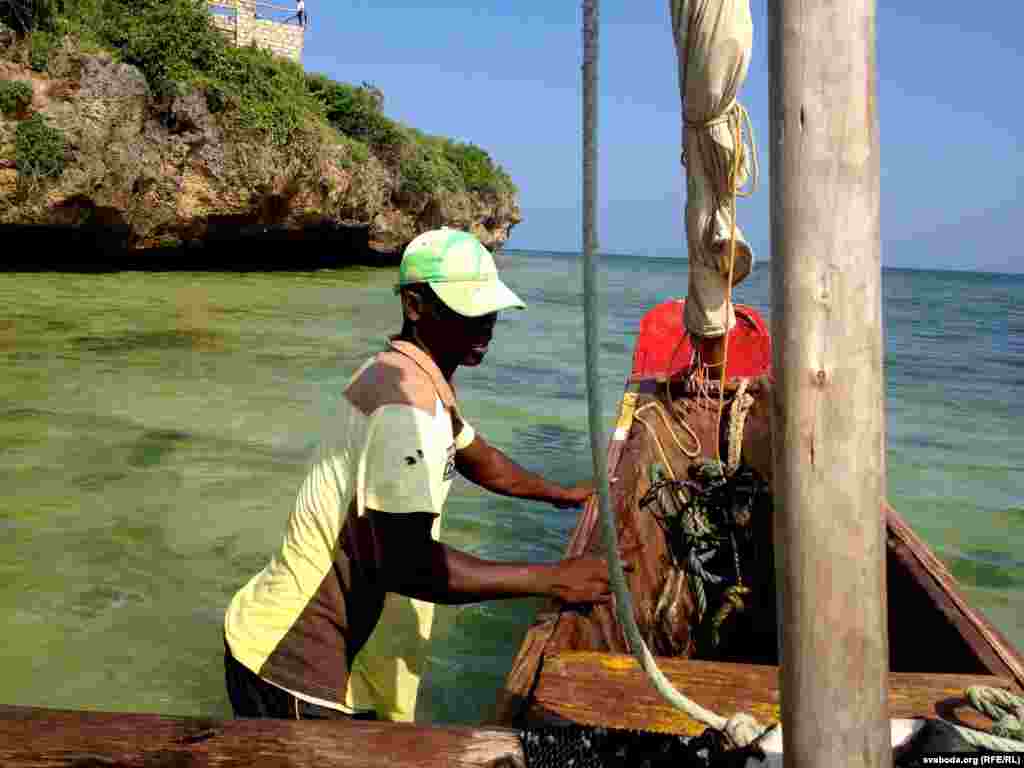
<point>722,117</point>
<point>743,730</point>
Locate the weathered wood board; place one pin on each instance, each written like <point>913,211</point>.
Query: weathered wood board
<point>31,737</point>
<point>611,690</point>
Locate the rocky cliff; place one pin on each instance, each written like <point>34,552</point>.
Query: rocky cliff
<point>161,170</point>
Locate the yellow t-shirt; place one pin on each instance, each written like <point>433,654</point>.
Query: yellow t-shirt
<point>314,621</point>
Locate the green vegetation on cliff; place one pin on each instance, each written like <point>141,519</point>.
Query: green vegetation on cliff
<point>15,95</point>
<point>260,97</point>
<point>40,149</point>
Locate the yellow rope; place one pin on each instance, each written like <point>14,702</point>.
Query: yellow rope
<point>676,411</point>
<point>660,410</point>
<point>737,116</point>
<point>660,447</point>
<point>734,176</point>
<point>755,175</point>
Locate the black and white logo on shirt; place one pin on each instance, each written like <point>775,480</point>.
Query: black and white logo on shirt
<point>449,467</point>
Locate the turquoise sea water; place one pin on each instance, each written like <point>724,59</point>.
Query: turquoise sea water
<point>155,429</point>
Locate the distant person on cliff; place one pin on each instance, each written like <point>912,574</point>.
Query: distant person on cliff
<point>338,623</point>
<point>300,14</point>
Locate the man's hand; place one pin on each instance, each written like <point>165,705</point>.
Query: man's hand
<point>489,468</point>
<point>582,580</point>
<point>574,497</point>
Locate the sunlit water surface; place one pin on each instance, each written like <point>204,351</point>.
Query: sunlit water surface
<point>155,429</point>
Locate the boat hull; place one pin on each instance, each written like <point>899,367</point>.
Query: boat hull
<point>933,630</point>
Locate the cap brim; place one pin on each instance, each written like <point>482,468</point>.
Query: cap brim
<point>477,297</point>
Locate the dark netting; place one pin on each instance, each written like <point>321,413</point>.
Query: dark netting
<point>577,746</point>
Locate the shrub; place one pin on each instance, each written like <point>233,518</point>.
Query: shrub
<point>357,153</point>
<point>165,39</point>
<point>216,98</point>
<point>375,93</point>
<point>355,111</point>
<point>40,46</point>
<point>424,170</point>
<point>81,18</point>
<point>478,171</point>
<point>39,149</point>
<point>271,93</point>
<point>19,15</point>
<point>15,95</point>
<point>174,41</point>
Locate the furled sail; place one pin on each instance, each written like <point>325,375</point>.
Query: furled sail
<point>713,44</point>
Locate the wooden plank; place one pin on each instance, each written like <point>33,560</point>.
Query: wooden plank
<point>991,646</point>
<point>611,690</point>
<point>68,739</point>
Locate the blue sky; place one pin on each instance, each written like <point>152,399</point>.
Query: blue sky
<point>506,76</point>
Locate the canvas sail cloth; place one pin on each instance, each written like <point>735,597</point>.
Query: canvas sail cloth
<point>713,43</point>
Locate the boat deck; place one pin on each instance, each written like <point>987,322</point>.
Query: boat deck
<point>611,690</point>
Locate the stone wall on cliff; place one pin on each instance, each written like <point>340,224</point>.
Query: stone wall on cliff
<point>154,171</point>
<point>239,21</point>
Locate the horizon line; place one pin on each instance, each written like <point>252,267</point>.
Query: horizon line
<point>759,262</point>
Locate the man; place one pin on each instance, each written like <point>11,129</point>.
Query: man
<point>338,622</point>
<point>301,12</point>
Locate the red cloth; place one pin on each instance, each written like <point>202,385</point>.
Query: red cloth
<point>663,347</point>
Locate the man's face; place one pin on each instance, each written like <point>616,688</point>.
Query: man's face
<point>455,338</point>
<point>464,339</point>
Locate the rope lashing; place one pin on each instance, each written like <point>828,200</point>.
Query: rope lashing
<point>742,128</point>
<point>741,404</point>
<point>741,729</point>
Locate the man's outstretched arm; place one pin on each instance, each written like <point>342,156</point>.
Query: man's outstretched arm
<point>489,468</point>
<point>410,562</point>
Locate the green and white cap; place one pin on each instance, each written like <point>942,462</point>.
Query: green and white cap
<point>459,270</point>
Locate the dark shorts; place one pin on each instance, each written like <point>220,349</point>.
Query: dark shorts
<point>252,696</point>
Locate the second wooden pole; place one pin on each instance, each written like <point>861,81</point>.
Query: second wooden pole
<point>829,419</point>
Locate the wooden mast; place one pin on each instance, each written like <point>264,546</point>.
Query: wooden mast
<point>829,429</point>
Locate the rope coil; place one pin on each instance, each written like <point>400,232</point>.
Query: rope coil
<point>1006,709</point>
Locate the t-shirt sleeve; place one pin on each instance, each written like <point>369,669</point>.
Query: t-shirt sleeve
<point>405,461</point>
<point>466,435</point>
<point>464,432</point>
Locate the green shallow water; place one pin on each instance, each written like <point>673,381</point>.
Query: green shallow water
<point>155,429</point>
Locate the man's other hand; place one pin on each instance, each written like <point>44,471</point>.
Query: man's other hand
<point>582,580</point>
<point>574,497</point>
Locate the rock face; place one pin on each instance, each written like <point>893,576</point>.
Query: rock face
<point>152,171</point>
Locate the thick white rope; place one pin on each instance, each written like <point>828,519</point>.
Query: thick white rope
<point>742,729</point>
<point>1006,709</point>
